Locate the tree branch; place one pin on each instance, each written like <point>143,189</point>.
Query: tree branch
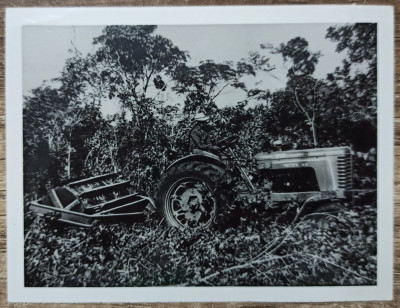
<point>290,229</point>
<point>336,265</point>
<point>244,265</point>
<point>219,92</point>
<point>297,101</point>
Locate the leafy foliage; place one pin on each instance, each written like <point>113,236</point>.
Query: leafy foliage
<point>254,251</point>
<point>204,83</point>
<point>66,136</point>
<point>355,83</point>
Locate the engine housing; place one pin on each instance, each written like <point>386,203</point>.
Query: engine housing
<point>329,173</point>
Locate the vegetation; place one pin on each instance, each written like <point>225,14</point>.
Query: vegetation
<point>339,251</point>
<point>67,137</point>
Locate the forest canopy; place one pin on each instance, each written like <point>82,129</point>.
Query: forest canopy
<point>66,135</point>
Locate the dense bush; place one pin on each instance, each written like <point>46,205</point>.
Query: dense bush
<point>66,135</point>
<point>331,249</point>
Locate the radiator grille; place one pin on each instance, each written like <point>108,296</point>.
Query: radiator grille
<point>344,170</point>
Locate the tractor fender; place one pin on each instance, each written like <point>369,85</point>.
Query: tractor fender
<point>204,157</point>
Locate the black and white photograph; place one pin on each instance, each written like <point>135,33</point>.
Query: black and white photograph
<point>200,155</point>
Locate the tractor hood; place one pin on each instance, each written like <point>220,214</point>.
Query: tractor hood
<point>319,152</point>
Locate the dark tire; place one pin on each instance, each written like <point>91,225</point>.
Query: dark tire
<point>186,197</point>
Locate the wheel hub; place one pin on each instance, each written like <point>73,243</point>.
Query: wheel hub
<point>191,203</point>
<point>192,198</point>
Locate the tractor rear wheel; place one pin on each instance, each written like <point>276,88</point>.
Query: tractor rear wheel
<point>186,195</point>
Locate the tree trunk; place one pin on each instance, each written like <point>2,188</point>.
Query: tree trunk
<point>314,131</point>
<point>310,120</point>
<point>50,142</point>
<point>113,163</point>
<point>69,161</point>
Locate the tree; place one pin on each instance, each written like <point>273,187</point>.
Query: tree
<point>50,122</point>
<point>58,117</point>
<point>43,114</point>
<point>306,91</point>
<point>133,65</point>
<point>359,40</point>
<point>204,83</point>
<point>356,81</point>
<point>131,61</point>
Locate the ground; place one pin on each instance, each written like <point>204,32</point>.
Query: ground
<point>249,246</point>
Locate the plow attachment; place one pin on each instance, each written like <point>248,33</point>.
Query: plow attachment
<point>105,198</point>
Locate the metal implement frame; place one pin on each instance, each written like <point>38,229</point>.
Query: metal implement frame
<point>86,220</point>
<point>71,209</point>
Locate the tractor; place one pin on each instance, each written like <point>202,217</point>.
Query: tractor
<point>195,188</point>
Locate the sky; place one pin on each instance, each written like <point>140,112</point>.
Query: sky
<point>45,49</point>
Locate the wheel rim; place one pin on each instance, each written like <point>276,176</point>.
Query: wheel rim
<point>190,203</point>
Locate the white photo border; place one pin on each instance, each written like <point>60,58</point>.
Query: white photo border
<point>16,18</point>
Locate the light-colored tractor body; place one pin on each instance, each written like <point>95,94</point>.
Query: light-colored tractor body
<point>323,172</point>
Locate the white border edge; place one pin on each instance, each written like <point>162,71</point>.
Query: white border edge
<point>16,18</point>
